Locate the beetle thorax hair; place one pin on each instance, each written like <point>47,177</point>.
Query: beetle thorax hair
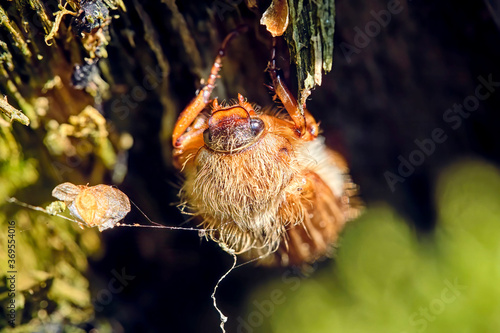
<point>241,194</point>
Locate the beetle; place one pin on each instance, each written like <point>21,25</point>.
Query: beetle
<point>262,182</point>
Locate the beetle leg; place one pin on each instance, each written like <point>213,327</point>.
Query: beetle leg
<point>189,114</point>
<point>186,118</point>
<point>191,140</point>
<point>304,122</point>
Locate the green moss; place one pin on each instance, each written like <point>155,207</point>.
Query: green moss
<point>51,253</point>
<point>384,280</point>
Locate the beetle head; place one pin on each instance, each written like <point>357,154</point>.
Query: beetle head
<point>232,128</point>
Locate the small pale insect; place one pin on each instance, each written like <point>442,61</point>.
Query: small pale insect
<point>263,183</point>
<point>101,205</point>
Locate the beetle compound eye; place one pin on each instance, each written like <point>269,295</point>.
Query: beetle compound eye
<point>257,126</point>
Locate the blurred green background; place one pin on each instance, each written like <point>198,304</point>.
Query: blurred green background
<point>387,279</point>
